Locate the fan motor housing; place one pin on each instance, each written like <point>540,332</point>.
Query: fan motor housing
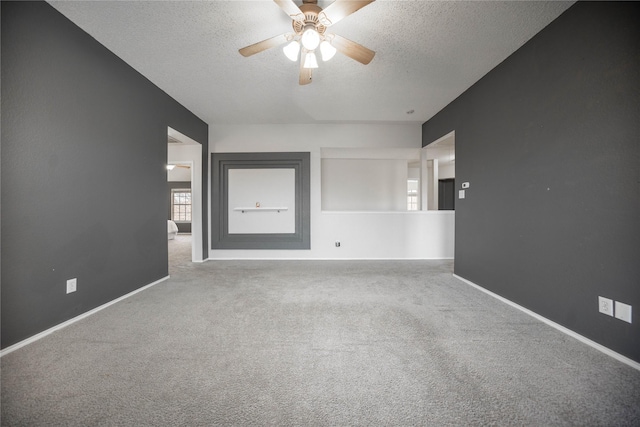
<point>311,12</point>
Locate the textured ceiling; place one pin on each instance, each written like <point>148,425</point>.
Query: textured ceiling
<point>427,53</point>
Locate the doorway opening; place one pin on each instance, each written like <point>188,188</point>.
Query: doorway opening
<point>439,173</point>
<point>179,180</point>
<point>184,186</point>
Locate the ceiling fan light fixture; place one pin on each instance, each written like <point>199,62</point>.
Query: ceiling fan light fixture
<point>291,50</point>
<point>310,38</point>
<point>310,60</point>
<point>327,50</point>
<point>170,167</point>
<point>310,22</point>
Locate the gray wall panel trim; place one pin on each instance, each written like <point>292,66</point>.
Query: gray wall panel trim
<point>222,163</point>
<point>84,153</point>
<point>549,143</point>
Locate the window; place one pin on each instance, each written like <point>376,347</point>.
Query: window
<point>412,195</point>
<point>181,204</point>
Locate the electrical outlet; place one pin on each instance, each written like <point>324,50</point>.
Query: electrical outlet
<point>605,306</point>
<point>71,285</point>
<point>623,311</point>
<point>337,244</point>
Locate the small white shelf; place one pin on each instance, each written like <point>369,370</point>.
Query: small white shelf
<point>243,210</point>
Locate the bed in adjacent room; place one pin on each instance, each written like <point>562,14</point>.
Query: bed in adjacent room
<point>172,230</point>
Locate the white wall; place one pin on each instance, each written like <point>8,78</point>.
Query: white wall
<point>363,235</point>
<point>179,174</point>
<point>262,189</point>
<point>448,170</point>
<point>443,149</point>
<point>364,185</point>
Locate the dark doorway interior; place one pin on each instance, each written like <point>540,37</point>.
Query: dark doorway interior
<point>446,193</point>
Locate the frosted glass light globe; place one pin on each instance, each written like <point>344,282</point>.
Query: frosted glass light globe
<point>327,50</point>
<point>310,38</point>
<point>310,61</point>
<point>291,50</point>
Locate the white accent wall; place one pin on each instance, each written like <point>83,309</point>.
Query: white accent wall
<point>363,234</point>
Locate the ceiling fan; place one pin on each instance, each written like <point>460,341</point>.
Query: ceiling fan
<point>310,23</point>
<point>171,166</point>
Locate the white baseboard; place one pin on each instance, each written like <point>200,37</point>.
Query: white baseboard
<point>557,326</point>
<point>75,319</point>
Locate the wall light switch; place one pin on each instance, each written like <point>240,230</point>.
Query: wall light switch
<point>461,194</point>
<point>71,285</point>
<point>623,311</point>
<point>605,306</point>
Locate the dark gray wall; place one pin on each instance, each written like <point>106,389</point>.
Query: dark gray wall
<point>183,227</point>
<point>549,142</point>
<point>84,185</point>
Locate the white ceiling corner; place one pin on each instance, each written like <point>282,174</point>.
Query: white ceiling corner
<point>427,53</point>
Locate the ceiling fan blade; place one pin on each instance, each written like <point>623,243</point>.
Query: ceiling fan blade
<point>305,74</point>
<point>263,45</point>
<point>339,9</point>
<point>352,49</point>
<point>291,9</point>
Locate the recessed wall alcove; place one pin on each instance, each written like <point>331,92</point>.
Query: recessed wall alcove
<point>260,201</point>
